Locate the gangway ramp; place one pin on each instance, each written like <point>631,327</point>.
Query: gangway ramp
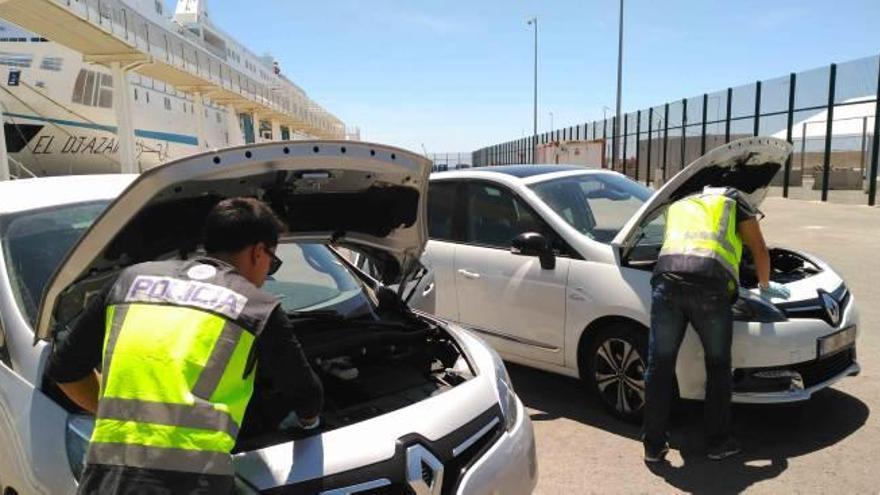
<point>112,33</point>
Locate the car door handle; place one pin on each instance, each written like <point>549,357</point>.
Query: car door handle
<point>429,289</point>
<point>470,275</point>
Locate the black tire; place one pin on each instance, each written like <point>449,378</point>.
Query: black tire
<point>615,363</point>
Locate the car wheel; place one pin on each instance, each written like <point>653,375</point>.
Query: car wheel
<point>616,365</point>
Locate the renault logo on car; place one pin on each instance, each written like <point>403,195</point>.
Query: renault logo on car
<point>424,472</point>
<point>831,307</point>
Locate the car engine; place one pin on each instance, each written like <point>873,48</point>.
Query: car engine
<point>368,368</point>
<point>785,267</point>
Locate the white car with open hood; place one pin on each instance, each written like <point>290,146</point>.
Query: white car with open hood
<point>428,409</point>
<point>552,266</point>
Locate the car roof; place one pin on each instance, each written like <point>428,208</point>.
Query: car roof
<point>520,173</point>
<point>44,192</point>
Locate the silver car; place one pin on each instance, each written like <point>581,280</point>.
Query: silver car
<point>413,404</point>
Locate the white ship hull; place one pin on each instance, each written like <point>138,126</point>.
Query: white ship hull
<point>52,134</point>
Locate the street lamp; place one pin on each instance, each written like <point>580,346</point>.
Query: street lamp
<point>534,21</point>
<point>619,87</point>
<point>605,109</point>
<point>551,122</point>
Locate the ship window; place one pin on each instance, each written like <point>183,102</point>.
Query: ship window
<point>79,87</point>
<point>22,60</point>
<point>167,103</point>
<point>135,94</point>
<point>93,89</point>
<point>52,63</point>
<point>147,94</point>
<point>218,117</point>
<point>105,99</point>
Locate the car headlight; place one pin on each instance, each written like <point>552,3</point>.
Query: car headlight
<point>506,395</point>
<point>77,437</point>
<point>752,307</point>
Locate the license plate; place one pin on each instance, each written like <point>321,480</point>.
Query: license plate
<point>835,342</point>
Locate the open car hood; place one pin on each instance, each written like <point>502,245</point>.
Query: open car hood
<point>366,196</point>
<point>748,165</point>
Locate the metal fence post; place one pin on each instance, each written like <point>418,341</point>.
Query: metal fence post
<point>625,134</point>
<point>875,150</point>
<point>614,125</point>
<point>792,84</point>
<point>638,138</point>
<point>757,108</point>
<point>727,118</point>
<point>829,129</point>
<point>684,121</point>
<point>650,140</point>
<point>703,126</point>
<point>665,138</point>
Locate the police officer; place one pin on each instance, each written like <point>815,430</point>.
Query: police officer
<point>183,342</point>
<point>696,281</point>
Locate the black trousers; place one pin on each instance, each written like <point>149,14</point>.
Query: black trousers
<point>124,480</point>
<point>708,308</point>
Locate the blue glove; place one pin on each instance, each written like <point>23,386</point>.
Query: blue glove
<point>292,421</point>
<point>775,290</point>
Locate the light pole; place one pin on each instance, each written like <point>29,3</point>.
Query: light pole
<point>534,21</point>
<point>619,88</point>
<point>605,110</point>
<point>551,122</point>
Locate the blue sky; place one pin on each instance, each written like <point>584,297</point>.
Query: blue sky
<point>457,75</point>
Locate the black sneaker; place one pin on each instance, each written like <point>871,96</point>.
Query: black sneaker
<point>655,454</point>
<point>725,449</point>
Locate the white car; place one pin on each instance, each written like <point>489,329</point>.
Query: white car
<point>428,409</point>
<point>552,266</point>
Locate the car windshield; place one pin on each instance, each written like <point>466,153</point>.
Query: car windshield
<point>36,242</point>
<point>312,278</point>
<point>597,205</point>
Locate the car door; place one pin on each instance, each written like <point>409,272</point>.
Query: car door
<point>510,299</point>
<point>444,213</point>
<point>32,426</point>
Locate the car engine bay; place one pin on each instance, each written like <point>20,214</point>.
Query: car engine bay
<point>368,368</point>
<point>785,267</point>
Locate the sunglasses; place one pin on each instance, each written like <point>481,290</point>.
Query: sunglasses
<point>275,263</point>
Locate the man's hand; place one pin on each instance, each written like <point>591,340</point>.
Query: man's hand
<point>774,290</point>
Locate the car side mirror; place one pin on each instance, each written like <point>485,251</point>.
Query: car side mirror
<point>534,244</point>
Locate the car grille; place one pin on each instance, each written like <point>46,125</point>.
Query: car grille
<point>813,308</point>
<point>812,373</point>
<point>822,370</point>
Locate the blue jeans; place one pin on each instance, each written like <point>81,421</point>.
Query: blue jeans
<point>708,308</point>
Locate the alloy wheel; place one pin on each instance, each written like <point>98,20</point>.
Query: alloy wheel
<point>619,375</point>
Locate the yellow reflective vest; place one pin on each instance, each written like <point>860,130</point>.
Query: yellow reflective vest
<point>701,236</point>
<point>177,366</point>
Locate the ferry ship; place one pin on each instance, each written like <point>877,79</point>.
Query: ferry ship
<point>58,108</point>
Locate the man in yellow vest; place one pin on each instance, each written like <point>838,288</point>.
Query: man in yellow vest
<point>183,342</point>
<point>696,281</point>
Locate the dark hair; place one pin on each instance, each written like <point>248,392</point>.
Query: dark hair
<point>236,223</point>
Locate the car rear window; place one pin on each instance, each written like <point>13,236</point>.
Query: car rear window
<point>36,242</point>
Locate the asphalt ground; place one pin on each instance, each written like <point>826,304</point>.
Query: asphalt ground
<point>830,444</point>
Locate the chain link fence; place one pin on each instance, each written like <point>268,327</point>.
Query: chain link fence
<point>829,114</point>
<point>450,161</point>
